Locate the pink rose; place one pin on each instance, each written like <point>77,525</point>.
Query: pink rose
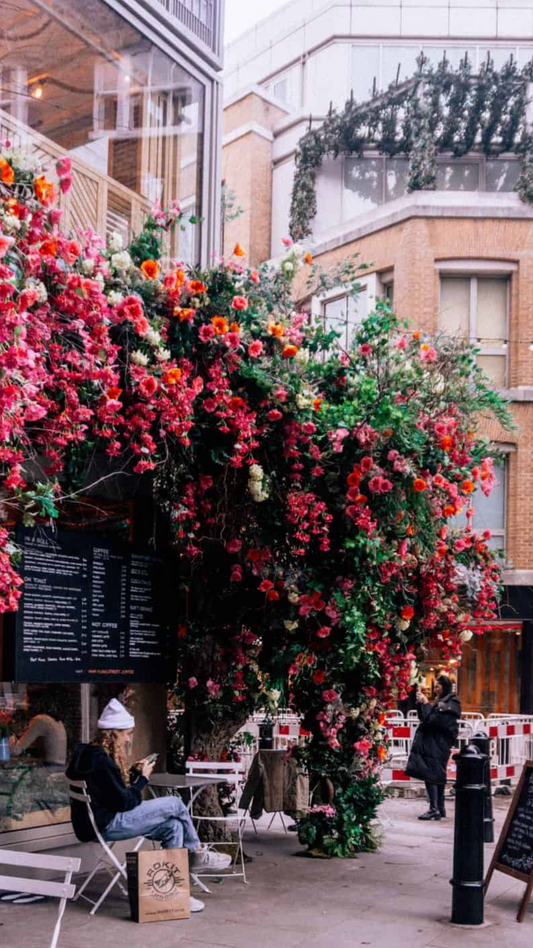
<point>54,215</point>
<point>5,244</point>
<point>330,695</point>
<point>255,349</point>
<point>206,333</point>
<point>65,183</point>
<point>193,682</point>
<point>363,747</point>
<point>274,415</point>
<point>428,353</point>
<point>236,573</point>
<point>365,349</point>
<point>324,632</point>
<point>402,343</point>
<point>212,687</point>
<point>232,340</point>
<point>233,546</point>
<point>240,303</point>
<point>287,241</point>
<point>254,276</point>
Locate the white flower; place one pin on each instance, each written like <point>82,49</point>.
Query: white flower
<point>274,695</point>
<point>139,357</point>
<point>257,484</point>
<point>466,635</point>
<point>87,265</point>
<point>290,626</point>
<point>162,355</point>
<point>402,624</point>
<point>115,242</point>
<point>100,278</point>
<point>152,337</point>
<point>11,222</point>
<point>114,297</point>
<point>302,356</point>
<point>287,266</point>
<point>122,260</point>
<point>256,472</point>
<point>303,401</point>
<point>40,288</point>
<point>293,597</point>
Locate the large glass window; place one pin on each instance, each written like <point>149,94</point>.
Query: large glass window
<point>476,308</point>
<point>76,77</point>
<point>489,512</point>
<point>344,314</point>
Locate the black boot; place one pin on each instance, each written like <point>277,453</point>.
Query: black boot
<point>440,797</point>
<point>430,815</point>
<point>433,812</point>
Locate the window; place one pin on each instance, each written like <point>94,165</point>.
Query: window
<point>489,512</point>
<point>344,313</point>
<point>476,308</point>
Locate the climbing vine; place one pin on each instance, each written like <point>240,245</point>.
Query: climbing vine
<point>438,110</point>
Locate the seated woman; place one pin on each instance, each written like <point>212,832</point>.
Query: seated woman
<point>116,796</point>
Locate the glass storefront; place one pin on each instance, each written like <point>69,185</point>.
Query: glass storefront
<point>76,77</point>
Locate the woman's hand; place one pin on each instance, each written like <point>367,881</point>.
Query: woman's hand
<point>421,698</point>
<point>146,768</point>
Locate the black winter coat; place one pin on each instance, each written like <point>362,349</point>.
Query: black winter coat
<point>435,736</point>
<point>107,790</point>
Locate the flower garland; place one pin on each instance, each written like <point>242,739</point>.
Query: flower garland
<point>438,110</point>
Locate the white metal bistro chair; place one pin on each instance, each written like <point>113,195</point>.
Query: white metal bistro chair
<point>110,861</point>
<point>61,890</point>
<point>234,774</point>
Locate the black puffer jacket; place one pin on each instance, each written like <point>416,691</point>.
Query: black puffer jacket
<point>435,736</point>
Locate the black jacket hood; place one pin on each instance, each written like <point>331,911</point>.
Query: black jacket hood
<point>84,760</point>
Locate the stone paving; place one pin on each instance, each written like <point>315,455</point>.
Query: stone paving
<point>398,897</point>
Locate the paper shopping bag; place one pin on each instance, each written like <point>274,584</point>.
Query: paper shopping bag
<point>158,885</point>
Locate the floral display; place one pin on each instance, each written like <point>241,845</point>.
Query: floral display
<point>310,491</point>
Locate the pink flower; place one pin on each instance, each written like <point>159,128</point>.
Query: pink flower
<point>255,349</point>
<point>324,632</point>
<point>266,586</point>
<point>206,332</point>
<point>363,747</point>
<point>428,353</point>
<point>236,573</point>
<point>65,183</point>
<point>210,404</point>
<point>330,695</point>
<point>402,343</point>
<point>239,303</point>
<point>212,687</point>
<point>280,393</point>
<point>365,349</point>
<point>54,215</point>
<point>5,244</point>
<point>287,241</point>
<point>233,546</point>
<point>193,682</point>
<point>63,166</point>
<point>254,276</point>
<point>274,415</point>
<point>233,340</point>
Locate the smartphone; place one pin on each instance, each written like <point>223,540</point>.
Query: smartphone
<point>151,758</point>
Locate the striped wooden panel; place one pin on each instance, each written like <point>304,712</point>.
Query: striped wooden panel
<point>83,203</point>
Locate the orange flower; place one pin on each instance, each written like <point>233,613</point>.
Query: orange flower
<point>407,613</point>
<point>381,718</point>
<point>196,287</point>
<point>361,500</point>
<point>220,325</point>
<point>382,752</point>
<point>48,248</point>
<point>239,251</point>
<point>449,510</point>
<point>468,487</point>
<point>419,485</point>
<point>289,352</point>
<point>276,329</point>
<point>7,175</point>
<point>44,190</point>
<point>184,314</point>
<point>387,432</point>
<point>446,443</point>
<point>416,335</point>
<point>410,531</point>
<point>173,376</point>
<point>308,258</point>
<point>317,403</point>
<point>234,327</point>
<point>150,269</point>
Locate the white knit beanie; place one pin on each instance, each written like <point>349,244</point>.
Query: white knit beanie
<point>114,717</point>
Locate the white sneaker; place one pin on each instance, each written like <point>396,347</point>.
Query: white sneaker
<point>196,905</point>
<point>205,858</point>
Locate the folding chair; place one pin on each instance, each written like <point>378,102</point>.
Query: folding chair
<point>232,773</point>
<point>59,890</point>
<point>110,862</point>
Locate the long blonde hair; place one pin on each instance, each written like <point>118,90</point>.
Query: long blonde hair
<point>109,741</point>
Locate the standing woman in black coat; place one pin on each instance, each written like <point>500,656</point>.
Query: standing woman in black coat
<point>436,735</point>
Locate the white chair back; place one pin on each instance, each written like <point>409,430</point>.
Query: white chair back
<point>61,890</point>
<point>232,772</point>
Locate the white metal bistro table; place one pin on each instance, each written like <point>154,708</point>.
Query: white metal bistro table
<point>194,784</point>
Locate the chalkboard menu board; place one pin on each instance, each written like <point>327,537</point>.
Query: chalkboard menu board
<point>92,609</point>
<point>514,852</point>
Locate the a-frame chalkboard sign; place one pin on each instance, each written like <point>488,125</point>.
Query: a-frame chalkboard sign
<point>514,853</point>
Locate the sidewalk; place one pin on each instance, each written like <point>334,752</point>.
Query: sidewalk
<point>399,897</point>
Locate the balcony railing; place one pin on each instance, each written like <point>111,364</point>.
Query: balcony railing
<point>199,16</point>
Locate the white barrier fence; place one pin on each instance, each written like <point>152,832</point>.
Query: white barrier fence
<point>511,744</point>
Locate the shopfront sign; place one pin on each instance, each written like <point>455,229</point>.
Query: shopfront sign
<point>514,853</point>
<point>92,609</point>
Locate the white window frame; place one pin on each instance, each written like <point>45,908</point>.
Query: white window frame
<point>374,284</point>
<point>473,270</point>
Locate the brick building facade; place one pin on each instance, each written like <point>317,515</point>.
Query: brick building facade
<point>458,259</point>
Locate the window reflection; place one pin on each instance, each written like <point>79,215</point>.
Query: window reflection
<point>363,183</point>
<point>458,176</point>
<point>502,175</point>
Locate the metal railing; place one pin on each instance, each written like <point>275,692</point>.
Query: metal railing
<point>199,16</point>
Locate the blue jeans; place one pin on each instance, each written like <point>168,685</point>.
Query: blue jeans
<point>166,819</point>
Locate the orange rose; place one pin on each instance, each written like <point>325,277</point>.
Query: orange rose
<point>419,485</point>
<point>220,325</point>
<point>317,404</point>
<point>289,352</point>
<point>468,487</point>
<point>407,613</point>
<point>150,269</point>
<point>308,258</point>
<point>196,287</point>
<point>184,314</point>
<point>7,175</point>
<point>449,511</point>
<point>446,443</point>
<point>276,329</point>
<point>44,190</point>
<point>410,531</point>
<point>416,335</point>
<point>48,248</point>
<point>239,251</point>
<point>173,376</point>
<point>382,752</point>
<point>234,327</point>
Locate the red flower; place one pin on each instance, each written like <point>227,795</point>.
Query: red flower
<point>324,632</point>
<point>148,386</point>
<point>319,676</point>
<point>266,585</point>
<point>240,303</point>
<point>274,415</point>
<point>407,613</point>
<point>419,485</point>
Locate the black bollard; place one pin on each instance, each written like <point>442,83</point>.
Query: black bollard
<point>266,736</point>
<point>467,882</point>
<point>482,742</point>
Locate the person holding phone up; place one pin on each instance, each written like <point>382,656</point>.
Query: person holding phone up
<point>435,736</point>
<point>116,796</point>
